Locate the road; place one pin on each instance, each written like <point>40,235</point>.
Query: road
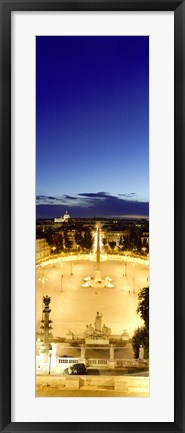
<point>119,372</point>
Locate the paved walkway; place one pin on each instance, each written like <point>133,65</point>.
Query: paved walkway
<point>86,393</point>
<point>92,386</point>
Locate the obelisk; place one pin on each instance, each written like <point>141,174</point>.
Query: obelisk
<point>97,278</point>
<point>97,282</point>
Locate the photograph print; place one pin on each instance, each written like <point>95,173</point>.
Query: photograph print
<point>92,216</point>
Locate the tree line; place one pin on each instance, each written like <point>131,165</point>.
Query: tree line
<point>141,335</point>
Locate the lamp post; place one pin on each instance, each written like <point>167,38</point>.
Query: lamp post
<point>125,270</point>
<point>147,278</point>
<point>61,275</point>
<point>78,252</point>
<point>71,265</point>
<point>144,250</point>
<point>53,249</point>
<point>43,279</point>
<point>134,278</point>
<point>49,364</point>
<point>45,353</point>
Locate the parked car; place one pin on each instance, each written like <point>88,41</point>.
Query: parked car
<point>76,369</point>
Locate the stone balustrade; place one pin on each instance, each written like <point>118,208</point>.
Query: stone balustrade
<point>63,362</point>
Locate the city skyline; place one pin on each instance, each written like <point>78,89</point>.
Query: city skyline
<point>92,131</point>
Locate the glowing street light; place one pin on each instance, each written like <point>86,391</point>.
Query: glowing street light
<point>61,274</point>
<point>61,264</point>
<point>144,250</point>
<point>53,249</point>
<point>71,265</point>
<point>134,264</point>
<point>43,279</point>
<point>78,253</point>
<point>125,271</point>
<point>49,363</point>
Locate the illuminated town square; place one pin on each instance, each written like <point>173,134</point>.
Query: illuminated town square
<point>74,305</point>
<point>76,291</point>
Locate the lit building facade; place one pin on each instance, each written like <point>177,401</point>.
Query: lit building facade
<point>63,219</point>
<point>42,249</point>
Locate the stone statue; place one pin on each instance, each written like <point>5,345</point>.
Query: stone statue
<point>89,330</point>
<point>105,330</point>
<point>141,352</point>
<point>97,323</point>
<point>83,351</point>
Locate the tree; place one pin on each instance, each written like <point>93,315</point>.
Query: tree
<point>125,244</point>
<point>59,243</point>
<point>87,240</point>
<point>141,335</point>
<point>84,238</point>
<point>67,241</point>
<point>79,238</point>
<point>145,247</point>
<point>143,306</point>
<point>112,244</point>
<point>49,237</point>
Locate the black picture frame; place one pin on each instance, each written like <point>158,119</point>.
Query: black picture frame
<point>6,6</point>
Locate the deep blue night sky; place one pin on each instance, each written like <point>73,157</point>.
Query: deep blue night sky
<point>92,127</point>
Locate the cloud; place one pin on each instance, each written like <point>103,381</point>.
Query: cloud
<point>44,199</point>
<point>91,204</point>
<point>66,200</point>
<point>53,198</point>
<point>40,197</point>
<point>94,194</point>
<point>127,195</point>
<point>71,198</point>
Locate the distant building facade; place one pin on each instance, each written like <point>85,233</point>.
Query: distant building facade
<point>63,219</point>
<point>42,249</point>
<point>145,238</point>
<point>114,236</point>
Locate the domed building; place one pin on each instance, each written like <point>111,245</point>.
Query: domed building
<point>63,219</point>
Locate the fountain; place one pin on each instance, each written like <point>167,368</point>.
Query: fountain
<point>97,335</point>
